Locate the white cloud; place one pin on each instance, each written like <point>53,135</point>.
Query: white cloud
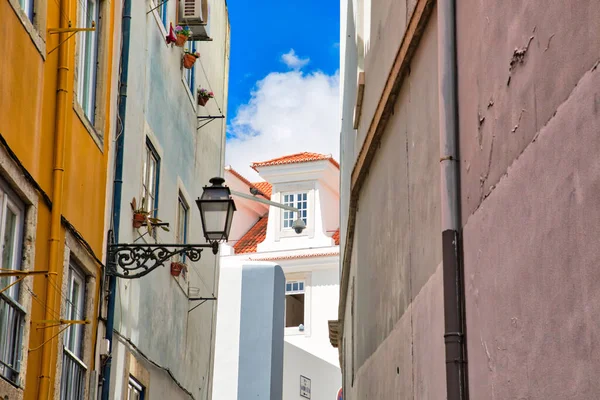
<point>293,61</point>
<point>288,113</point>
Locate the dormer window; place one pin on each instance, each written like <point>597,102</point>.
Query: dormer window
<point>298,200</point>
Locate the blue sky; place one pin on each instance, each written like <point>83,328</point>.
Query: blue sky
<point>283,80</point>
<point>261,31</point>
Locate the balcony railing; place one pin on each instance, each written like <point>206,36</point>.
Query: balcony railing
<point>73,377</point>
<point>12,319</point>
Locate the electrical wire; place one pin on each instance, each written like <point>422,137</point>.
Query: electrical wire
<point>41,302</point>
<point>209,86</point>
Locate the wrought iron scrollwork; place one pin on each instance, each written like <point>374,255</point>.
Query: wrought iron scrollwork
<point>130,261</point>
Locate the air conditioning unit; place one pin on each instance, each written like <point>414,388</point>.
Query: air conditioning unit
<point>195,14</point>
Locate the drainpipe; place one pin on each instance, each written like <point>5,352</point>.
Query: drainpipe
<point>57,199</point>
<point>454,314</point>
<point>117,187</point>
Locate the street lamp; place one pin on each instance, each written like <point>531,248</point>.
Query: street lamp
<point>216,211</point>
<point>134,260</point>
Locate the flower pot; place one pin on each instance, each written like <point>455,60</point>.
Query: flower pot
<point>203,100</point>
<point>176,268</point>
<point>180,41</point>
<point>139,220</point>
<point>188,60</point>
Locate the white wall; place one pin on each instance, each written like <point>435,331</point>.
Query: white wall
<point>152,312</point>
<point>321,301</point>
<point>325,378</point>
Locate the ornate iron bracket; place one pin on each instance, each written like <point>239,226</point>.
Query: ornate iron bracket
<point>139,259</point>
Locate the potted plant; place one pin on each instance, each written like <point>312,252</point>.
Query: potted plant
<point>182,35</point>
<point>189,58</point>
<point>177,267</point>
<point>203,96</point>
<point>141,216</point>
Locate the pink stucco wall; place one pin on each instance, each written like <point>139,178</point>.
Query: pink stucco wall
<point>530,171</point>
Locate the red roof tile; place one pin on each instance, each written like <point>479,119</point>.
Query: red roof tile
<point>295,257</point>
<point>259,185</point>
<point>295,158</point>
<point>256,235</point>
<point>336,237</point>
<point>264,187</point>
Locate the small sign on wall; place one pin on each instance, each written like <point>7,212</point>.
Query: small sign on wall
<point>304,387</point>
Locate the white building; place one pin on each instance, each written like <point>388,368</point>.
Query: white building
<point>310,262</point>
<point>163,339</point>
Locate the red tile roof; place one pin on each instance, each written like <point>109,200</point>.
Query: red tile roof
<point>295,257</point>
<point>295,158</point>
<point>256,235</point>
<point>336,237</point>
<point>264,187</point>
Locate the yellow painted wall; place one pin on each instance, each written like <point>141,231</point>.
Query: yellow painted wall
<point>28,86</point>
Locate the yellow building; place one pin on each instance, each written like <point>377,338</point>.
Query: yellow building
<point>55,112</point>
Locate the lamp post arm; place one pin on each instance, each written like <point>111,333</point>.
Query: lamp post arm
<point>264,201</point>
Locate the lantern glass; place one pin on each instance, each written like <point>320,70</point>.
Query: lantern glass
<point>216,210</point>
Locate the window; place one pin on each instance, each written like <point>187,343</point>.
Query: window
<point>161,9</point>
<point>294,303</point>
<point>298,200</point>
<point>88,58</point>
<point>182,218</point>
<point>27,6</point>
<point>135,391</point>
<point>12,314</point>
<point>150,175</point>
<point>182,222</point>
<point>73,369</point>
<point>190,75</point>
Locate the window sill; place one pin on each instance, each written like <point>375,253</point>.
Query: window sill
<point>294,331</point>
<point>33,32</point>
<point>88,126</point>
<point>11,388</point>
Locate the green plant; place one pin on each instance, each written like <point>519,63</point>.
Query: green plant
<point>204,93</point>
<point>142,216</point>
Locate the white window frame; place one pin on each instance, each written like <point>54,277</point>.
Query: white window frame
<point>87,62</point>
<point>279,190</point>
<point>74,370</point>
<point>150,183</point>
<point>307,291</point>
<point>300,200</point>
<point>134,386</point>
<point>11,336</point>
<point>28,8</point>
<point>75,311</point>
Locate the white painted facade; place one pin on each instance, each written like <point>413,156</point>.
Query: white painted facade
<point>159,341</point>
<point>311,258</point>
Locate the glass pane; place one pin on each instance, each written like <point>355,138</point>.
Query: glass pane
<point>301,285</point>
<point>295,286</point>
<point>8,252</point>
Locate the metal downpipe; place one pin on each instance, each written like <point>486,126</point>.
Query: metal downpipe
<point>453,279</point>
<point>117,188</point>
<point>45,379</point>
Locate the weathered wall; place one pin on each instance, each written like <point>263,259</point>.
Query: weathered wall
<point>396,273</point>
<point>28,94</point>
<point>348,77</point>
<point>531,252</point>
<point>153,311</point>
<point>499,120</point>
